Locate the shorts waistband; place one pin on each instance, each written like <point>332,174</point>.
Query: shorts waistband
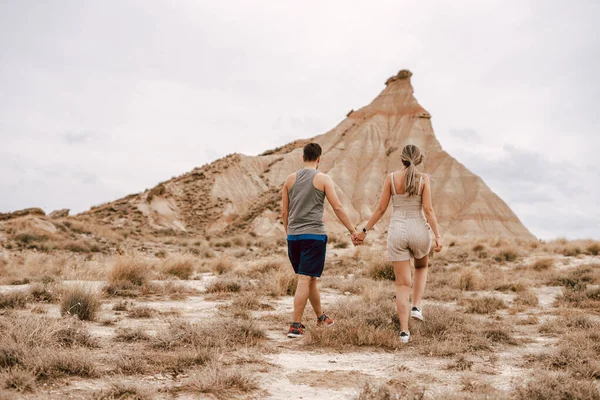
<point>307,236</point>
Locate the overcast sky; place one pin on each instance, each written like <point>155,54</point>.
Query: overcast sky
<point>100,99</point>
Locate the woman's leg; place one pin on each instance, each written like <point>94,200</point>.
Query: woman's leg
<point>403,283</point>
<point>421,267</point>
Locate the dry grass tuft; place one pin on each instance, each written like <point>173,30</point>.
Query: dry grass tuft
<point>526,298</point>
<point>18,380</point>
<point>594,248</point>
<point>557,386</point>
<point>381,269</point>
<point>530,320</point>
<point>181,267</point>
<point>226,334</point>
<point>543,264</point>
<point>280,282</point>
<point>175,290</point>
<point>241,305</point>
<point>576,278</point>
<point>177,362</point>
<point>580,298</point>
<point>507,254</point>
<point>131,335</point>
<point>224,286</point>
<point>11,354</point>
<point>121,305</point>
<point>131,364</point>
<point>478,247</point>
<point>448,333</point>
<point>264,267</point>
<point>383,392</point>
<point>351,285</point>
<point>571,250</point>
<point>44,293</point>
<point>460,364</point>
<point>516,287</point>
<point>570,322</point>
<point>124,391</point>
<point>63,363</point>
<point>484,305</point>
<point>223,382</point>
<point>21,338</point>
<point>130,270</point>
<point>498,333</point>
<point>13,299</point>
<point>80,301</point>
<point>576,293</point>
<point>141,312</point>
<point>222,266</point>
<point>577,353</point>
<point>474,384</point>
<point>370,320</point>
<point>239,241</point>
<point>469,279</point>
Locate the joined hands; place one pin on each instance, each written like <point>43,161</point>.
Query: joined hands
<point>358,238</point>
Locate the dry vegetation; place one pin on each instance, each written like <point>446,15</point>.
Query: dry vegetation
<point>209,318</point>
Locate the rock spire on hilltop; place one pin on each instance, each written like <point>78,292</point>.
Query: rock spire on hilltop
<point>243,193</point>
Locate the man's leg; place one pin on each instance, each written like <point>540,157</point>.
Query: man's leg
<point>315,297</point>
<point>403,283</point>
<point>421,267</point>
<point>301,297</point>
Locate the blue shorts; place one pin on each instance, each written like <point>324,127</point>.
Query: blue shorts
<point>307,253</point>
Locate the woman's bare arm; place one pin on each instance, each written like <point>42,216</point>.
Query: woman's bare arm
<point>384,201</point>
<point>430,213</point>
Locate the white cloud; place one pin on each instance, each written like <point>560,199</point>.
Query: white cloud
<point>135,94</point>
<point>551,198</point>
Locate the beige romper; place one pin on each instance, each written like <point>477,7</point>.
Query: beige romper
<point>409,233</point>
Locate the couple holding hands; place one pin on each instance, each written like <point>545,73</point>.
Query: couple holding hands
<point>409,235</point>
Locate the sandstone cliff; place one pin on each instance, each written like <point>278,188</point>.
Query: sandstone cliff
<point>242,193</point>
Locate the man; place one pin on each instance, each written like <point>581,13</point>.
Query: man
<point>302,212</point>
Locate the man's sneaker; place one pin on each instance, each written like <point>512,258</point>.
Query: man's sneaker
<point>296,330</point>
<point>404,337</point>
<point>324,320</point>
<point>416,314</point>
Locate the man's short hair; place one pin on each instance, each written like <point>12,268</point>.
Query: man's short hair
<point>312,151</point>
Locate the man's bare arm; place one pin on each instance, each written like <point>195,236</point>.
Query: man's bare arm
<point>338,208</point>
<point>285,201</point>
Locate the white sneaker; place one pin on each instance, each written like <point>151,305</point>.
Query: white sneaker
<point>404,337</point>
<point>416,314</point>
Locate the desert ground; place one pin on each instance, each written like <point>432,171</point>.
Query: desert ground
<point>183,318</point>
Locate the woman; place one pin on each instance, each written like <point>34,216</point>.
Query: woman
<point>409,234</point>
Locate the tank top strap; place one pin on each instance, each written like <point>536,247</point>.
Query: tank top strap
<point>420,182</point>
<point>393,185</point>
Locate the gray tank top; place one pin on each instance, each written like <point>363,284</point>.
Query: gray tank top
<point>305,215</point>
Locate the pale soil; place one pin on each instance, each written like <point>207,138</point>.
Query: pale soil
<point>287,368</point>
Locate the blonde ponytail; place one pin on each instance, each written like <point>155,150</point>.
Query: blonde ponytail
<point>411,157</point>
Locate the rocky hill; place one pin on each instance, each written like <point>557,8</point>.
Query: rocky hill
<point>242,193</point>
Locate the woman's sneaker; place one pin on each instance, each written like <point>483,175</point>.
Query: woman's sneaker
<point>416,314</point>
<point>324,320</point>
<point>404,337</point>
<point>296,330</point>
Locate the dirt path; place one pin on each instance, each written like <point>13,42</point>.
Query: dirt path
<point>288,368</point>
